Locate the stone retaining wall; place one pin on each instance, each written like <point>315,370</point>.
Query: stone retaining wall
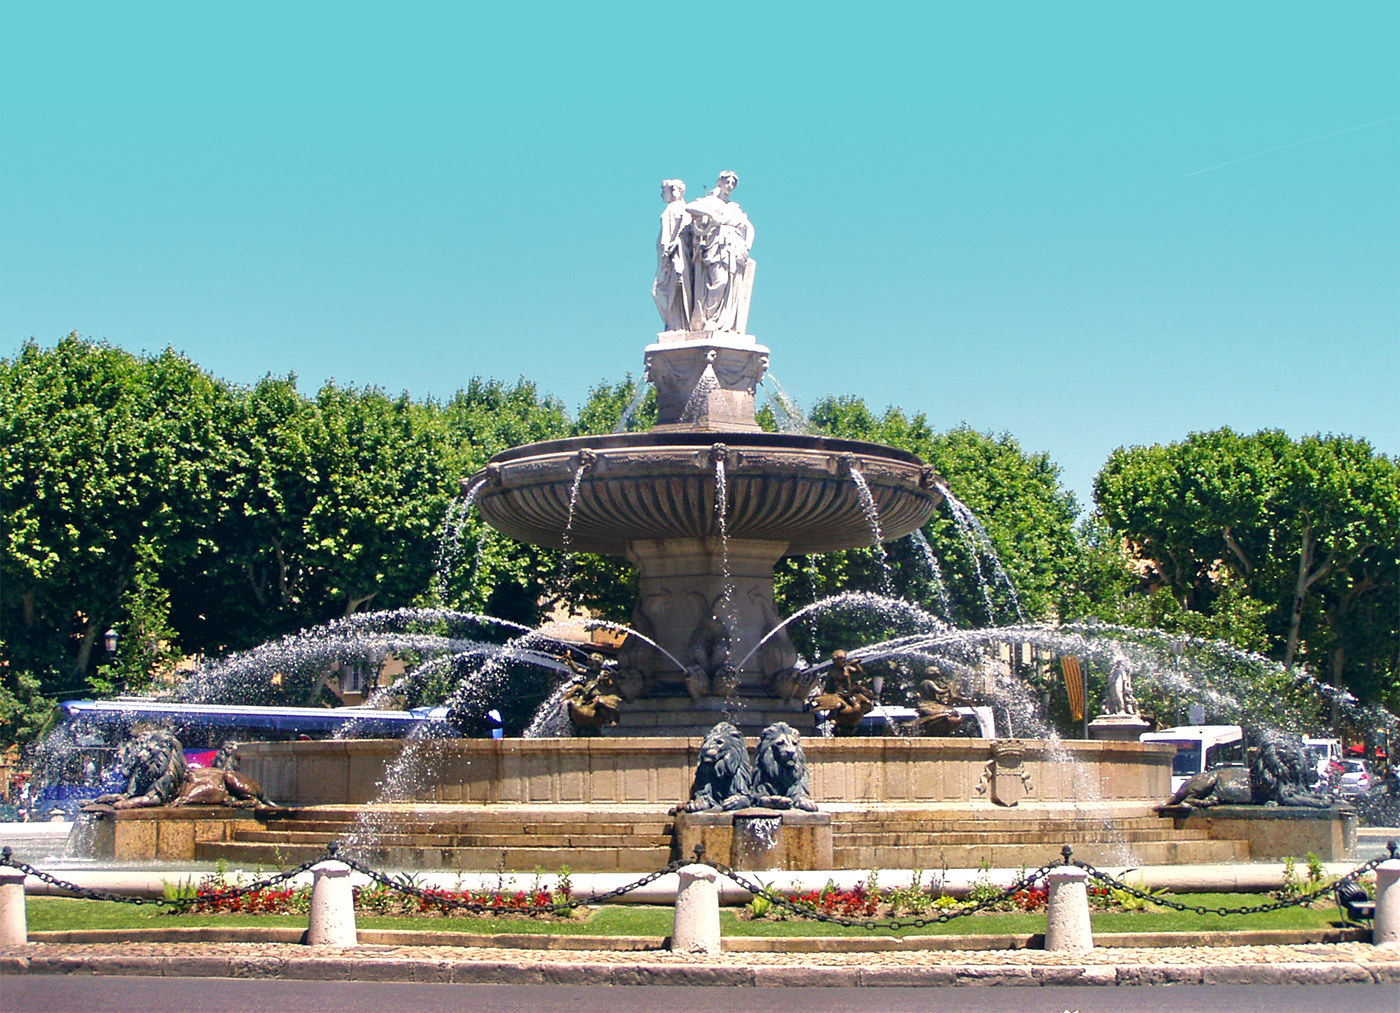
<point>659,770</point>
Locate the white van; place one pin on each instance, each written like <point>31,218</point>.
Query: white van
<point>1200,748</point>
<point>1322,754</point>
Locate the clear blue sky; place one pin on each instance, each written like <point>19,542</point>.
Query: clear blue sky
<point>1086,225</point>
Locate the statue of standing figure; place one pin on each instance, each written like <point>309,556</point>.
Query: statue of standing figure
<point>671,289</point>
<point>1118,694</point>
<point>704,276</point>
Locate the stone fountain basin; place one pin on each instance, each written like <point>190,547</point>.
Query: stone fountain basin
<point>780,487</point>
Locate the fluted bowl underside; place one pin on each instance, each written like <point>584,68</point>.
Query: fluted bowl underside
<point>779,487</point>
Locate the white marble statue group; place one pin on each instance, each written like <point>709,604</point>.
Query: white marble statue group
<point>704,274</point>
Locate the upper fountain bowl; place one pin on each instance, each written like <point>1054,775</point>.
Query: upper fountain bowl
<point>779,487</point>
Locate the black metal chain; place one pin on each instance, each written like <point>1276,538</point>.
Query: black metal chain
<point>1298,901</point>
<point>444,900</point>
<point>869,924</point>
<point>178,903</point>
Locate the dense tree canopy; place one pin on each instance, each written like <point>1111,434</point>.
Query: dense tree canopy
<point>1307,529</point>
<point>107,458</point>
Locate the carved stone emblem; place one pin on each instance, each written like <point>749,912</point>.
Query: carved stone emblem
<point>1005,780</point>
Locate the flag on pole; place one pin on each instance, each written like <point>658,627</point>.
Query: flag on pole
<point>1074,684</point>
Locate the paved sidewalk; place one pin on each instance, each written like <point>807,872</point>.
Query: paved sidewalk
<point>1308,964</point>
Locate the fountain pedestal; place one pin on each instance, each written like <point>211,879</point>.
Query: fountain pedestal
<point>708,602</point>
<point>705,380</point>
<point>705,505</point>
<point>163,833</point>
<point>759,839</point>
<point>1273,832</point>
<point>1118,728</point>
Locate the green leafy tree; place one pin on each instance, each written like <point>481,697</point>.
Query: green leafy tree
<point>484,571</point>
<point>1307,529</point>
<point>103,452</point>
<point>608,403</point>
<point>25,712</point>
<point>249,582</point>
<point>380,493</point>
<point>146,645</point>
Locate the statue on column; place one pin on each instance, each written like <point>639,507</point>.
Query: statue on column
<point>704,277</point>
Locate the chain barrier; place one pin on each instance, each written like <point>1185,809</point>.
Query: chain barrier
<point>869,924</point>
<point>439,898</point>
<point>1298,901</point>
<point>177,903</point>
<point>436,897</point>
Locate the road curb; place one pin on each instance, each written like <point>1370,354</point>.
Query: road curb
<point>382,964</point>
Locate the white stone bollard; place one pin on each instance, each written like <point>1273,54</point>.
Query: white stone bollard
<point>332,906</point>
<point>1386,926</point>
<point>14,927</point>
<point>1067,910</point>
<point>696,928</point>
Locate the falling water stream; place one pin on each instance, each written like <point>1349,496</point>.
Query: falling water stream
<point>871,510</point>
<point>626,418</point>
<point>566,576</point>
<point>786,411</point>
<point>980,545</point>
<point>700,396</point>
<point>450,545</point>
<point>940,589</point>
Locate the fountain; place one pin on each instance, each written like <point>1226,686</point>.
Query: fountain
<point>704,505</point>
<point>705,513</point>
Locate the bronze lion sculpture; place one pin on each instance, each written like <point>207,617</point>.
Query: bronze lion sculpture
<point>152,766</point>
<point>723,777</point>
<point>1276,773</point>
<point>154,770</point>
<point>780,770</point>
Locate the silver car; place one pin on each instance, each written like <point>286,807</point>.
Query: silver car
<point>1356,778</point>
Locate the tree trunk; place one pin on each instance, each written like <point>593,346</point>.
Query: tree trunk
<point>353,605</point>
<point>1307,577</point>
<point>85,649</point>
<point>1234,546</point>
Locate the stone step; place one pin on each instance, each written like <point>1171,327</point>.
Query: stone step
<point>470,825</point>
<point>415,839</point>
<point>993,818</point>
<point>509,812</point>
<point>630,859</point>
<point>997,829</point>
<point>1064,836</point>
<point>972,856</point>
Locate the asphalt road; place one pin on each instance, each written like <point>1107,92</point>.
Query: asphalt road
<point>52,994</point>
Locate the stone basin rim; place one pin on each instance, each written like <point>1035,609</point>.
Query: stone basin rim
<point>532,493</point>
<point>700,439</point>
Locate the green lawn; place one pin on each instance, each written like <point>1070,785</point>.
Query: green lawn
<point>60,914</point>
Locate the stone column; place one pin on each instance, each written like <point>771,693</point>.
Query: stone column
<point>14,928</point>
<point>705,380</point>
<point>332,921</point>
<point>681,587</point>
<point>1067,910</point>
<point>1386,926</point>
<point>696,927</point>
